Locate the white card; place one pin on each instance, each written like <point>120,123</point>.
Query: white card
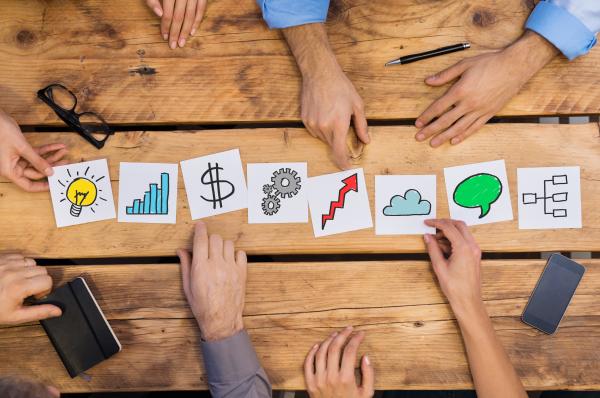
<point>277,193</point>
<point>478,193</point>
<point>549,197</point>
<point>81,193</point>
<point>148,192</point>
<point>215,184</point>
<point>403,203</point>
<point>339,202</point>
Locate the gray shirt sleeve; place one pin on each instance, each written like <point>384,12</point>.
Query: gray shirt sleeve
<point>233,370</point>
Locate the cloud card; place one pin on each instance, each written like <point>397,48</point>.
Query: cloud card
<point>549,197</point>
<point>277,193</point>
<point>215,184</point>
<point>81,193</point>
<point>403,203</point>
<point>478,193</point>
<point>339,202</point>
<point>148,192</point>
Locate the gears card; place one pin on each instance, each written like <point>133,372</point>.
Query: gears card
<point>277,193</point>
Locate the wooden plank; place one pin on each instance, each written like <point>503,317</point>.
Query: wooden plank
<point>393,151</point>
<point>412,336</point>
<point>235,69</point>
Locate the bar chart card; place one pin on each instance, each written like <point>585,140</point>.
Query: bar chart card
<point>148,193</point>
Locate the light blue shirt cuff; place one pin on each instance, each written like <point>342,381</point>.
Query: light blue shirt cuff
<point>281,14</point>
<point>561,28</point>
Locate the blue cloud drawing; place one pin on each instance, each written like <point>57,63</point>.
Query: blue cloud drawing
<point>410,204</point>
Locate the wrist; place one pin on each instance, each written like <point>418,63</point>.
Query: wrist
<point>211,331</point>
<point>531,52</point>
<point>469,312</point>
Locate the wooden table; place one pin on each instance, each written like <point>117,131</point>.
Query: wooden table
<point>235,70</point>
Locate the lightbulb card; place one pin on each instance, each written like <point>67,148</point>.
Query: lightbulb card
<point>81,193</point>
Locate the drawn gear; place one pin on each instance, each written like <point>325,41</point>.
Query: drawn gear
<point>270,205</point>
<point>267,189</point>
<point>286,182</point>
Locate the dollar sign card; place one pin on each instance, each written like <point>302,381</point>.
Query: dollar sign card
<point>81,193</point>
<point>148,193</point>
<point>215,184</point>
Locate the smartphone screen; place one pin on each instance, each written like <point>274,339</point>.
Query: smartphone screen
<point>553,293</point>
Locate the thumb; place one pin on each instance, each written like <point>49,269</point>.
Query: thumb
<point>360,124</point>
<point>155,6</point>
<point>36,312</point>
<point>186,264</point>
<point>447,75</point>
<point>38,162</point>
<point>340,148</point>
<point>368,377</point>
<point>438,261</point>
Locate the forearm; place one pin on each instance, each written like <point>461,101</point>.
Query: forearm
<point>310,46</point>
<point>233,370</point>
<point>493,374</point>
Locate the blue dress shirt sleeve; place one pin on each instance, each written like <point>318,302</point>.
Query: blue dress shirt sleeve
<point>233,370</point>
<point>281,14</point>
<point>570,25</point>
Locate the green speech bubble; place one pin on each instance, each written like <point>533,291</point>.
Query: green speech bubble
<point>479,190</point>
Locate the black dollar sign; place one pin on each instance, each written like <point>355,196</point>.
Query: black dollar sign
<point>211,177</point>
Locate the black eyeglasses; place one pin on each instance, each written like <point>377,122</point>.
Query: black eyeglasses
<point>89,125</point>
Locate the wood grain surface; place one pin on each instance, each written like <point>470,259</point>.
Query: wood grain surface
<point>32,229</point>
<point>411,335</point>
<point>111,55</point>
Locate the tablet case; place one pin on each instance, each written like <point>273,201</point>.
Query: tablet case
<point>82,336</point>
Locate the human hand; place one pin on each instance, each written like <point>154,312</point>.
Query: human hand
<point>327,377</point>
<point>21,163</point>
<point>456,261</point>
<point>329,102</point>
<point>486,83</point>
<point>21,278</point>
<point>214,282</point>
<point>179,18</point>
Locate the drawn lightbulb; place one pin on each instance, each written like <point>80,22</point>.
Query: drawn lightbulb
<point>81,192</point>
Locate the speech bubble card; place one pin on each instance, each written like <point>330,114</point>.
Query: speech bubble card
<point>403,203</point>
<point>549,197</point>
<point>148,193</point>
<point>339,202</point>
<point>81,193</point>
<point>277,193</point>
<point>215,184</point>
<point>478,193</point>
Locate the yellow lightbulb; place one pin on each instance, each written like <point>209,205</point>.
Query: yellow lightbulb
<point>81,192</point>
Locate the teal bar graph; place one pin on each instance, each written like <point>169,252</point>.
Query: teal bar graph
<point>155,201</point>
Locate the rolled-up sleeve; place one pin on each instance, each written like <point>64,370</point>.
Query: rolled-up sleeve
<point>281,14</point>
<point>233,370</point>
<point>570,25</point>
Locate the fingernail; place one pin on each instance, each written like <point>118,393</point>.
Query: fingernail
<point>173,45</point>
<point>315,346</point>
<point>454,141</point>
<point>158,12</point>
<point>334,334</point>
<point>348,328</point>
<point>55,312</point>
<point>367,360</point>
<point>165,36</point>
<point>426,238</point>
<point>49,171</point>
<point>432,77</point>
<point>181,42</point>
<point>193,32</point>
<point>418,124</point>
<point>420,137</point>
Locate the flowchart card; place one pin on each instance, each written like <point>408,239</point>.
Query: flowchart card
<point>215,184</point>
<point>403,203</point>
<point>549,197</point>
<point>339,202</point>
<point>148,193</point>
<point>277,193</point>
<point>478,193</point>
<point>81,193</point>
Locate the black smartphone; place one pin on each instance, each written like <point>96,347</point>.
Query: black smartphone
<point>553,293</point>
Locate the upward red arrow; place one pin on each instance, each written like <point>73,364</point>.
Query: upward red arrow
<point>350,184</point>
